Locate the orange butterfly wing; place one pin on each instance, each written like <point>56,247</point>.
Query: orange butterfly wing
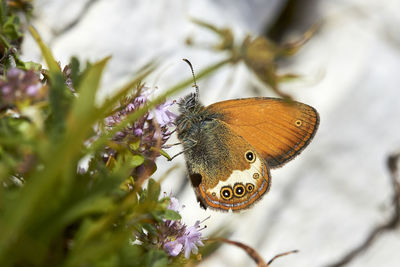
<point>277,129</point>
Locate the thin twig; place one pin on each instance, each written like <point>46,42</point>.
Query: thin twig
<point>76,21</point>
<point>281,255</point>
<point>252,252</point>
<point>391,224</point>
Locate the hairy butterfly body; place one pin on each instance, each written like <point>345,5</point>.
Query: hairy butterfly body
<point>230,146</point>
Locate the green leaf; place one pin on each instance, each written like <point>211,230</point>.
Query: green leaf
<point>164,154</point>
<point>75,72</point>
<point>151,229</point>
<point>142,196</point>
<point>59,95</point>
<point>12,28</point>
<point>85,104</point>
<point>132,255</point>
<point>106,243</point>
<point>46,52</point>
<point>60,98</point>
<point>91,205</point>
<point>156,258</point>
<point>3,12</point>
<point>30,65</point>
<point>171,215</point>
<point>134,145</point>
<point>157,215</point>
<point>153,190</point>
<point>83,112</point>
<point>135,160</point>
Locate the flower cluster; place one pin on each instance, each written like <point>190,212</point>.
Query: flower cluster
<point>149,131</point>
<point>20,85</point>
<point>176,236</point>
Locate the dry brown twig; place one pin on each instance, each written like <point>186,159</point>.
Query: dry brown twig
<point>252,252</point>
<point>392,223</point>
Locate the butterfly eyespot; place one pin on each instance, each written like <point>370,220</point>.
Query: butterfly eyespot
<point>239,190</point>
<point>249,187</point>
<point>226,193</point>
<point>298,123</point>
<point>214,194</point>
<point>250,157</point>
<point>256,175</point>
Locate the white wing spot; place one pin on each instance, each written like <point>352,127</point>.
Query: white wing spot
<point>244,177</point>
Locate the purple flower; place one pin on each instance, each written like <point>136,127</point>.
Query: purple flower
<point>162,115</point>
<point>138,132</point>
<point>6,90</point>
<point>173,235</point>
<point>182,237</point>
<point>32,90</point>
<point>192,239</point>
<point>150,131</point>
<point>140,100</point>
<point>110,121</point>
<point>178,236</point>
<point>174,205</point>
<point>20,85</point>
<point>130,107</point>
<point>173,248</point>
<point>14,74</point>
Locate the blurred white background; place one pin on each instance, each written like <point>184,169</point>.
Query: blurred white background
<point>326,201</point>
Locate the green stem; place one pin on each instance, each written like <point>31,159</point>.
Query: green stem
<point>5,42</point>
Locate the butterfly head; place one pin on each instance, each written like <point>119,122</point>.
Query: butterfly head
<point>188,103</point>
<point>189,120</point>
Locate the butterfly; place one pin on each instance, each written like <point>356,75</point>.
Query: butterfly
<point>230,146</point>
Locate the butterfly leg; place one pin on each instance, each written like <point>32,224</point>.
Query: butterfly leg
<point>171,145</point>
<point>183,151</point>
<point>176,155</point>
<point>172,131</point>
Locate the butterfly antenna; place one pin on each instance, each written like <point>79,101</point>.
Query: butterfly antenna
<point>194,77</point>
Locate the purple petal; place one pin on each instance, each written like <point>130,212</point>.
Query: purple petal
<point>130,107</point>
<point>162,115</point>
<point>32,90</point>
<point>173,248</point>
<point>138,132</point>
<point>188,249</point>
<point>174,204</point>
<point>191,239</point>
<point>14,73</point>
<point>6,89</point>
<point>111,120</point>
